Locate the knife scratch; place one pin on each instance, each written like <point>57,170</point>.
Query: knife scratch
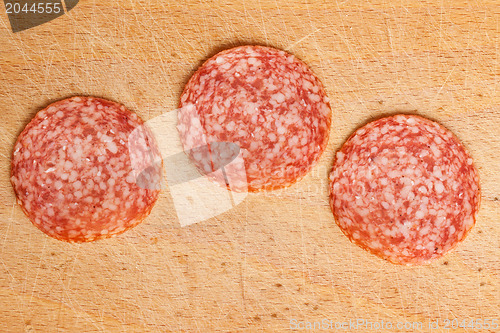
<point>288,48</point>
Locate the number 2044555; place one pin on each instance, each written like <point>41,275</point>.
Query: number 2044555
<point>474,324</point>
<point>36,8</point>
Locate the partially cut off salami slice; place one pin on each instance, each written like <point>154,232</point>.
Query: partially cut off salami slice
<point>405,189</point>
<point>268,103</point>
<point>80,175</point>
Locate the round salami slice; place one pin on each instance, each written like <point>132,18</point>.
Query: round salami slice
<point>405,189</point>
<point>268,103</point>
<point>73,169</point>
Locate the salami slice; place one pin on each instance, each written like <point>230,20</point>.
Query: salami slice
<point>73,171</point>
<point>267,102</point>
<point>405,189</point>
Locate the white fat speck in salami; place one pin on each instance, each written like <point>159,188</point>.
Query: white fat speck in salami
<point>405,189</point>
<point>72,171</point>
<point>268,103</point>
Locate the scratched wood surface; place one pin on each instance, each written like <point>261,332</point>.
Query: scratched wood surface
<point>277,256</point>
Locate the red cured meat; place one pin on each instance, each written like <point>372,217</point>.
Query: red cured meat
<point>405,189</point>
<point>268,103</point>
<point>74,174</point>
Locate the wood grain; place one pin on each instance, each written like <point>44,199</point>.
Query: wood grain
<point>277,256</point>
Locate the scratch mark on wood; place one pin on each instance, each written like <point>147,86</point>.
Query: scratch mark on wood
<point>289,47</point>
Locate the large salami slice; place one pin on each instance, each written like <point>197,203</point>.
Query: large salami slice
<point>268,103</point>
<point>404,188</point>
<point>75,169</point>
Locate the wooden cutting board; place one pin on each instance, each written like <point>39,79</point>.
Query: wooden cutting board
<point>277,259</point>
